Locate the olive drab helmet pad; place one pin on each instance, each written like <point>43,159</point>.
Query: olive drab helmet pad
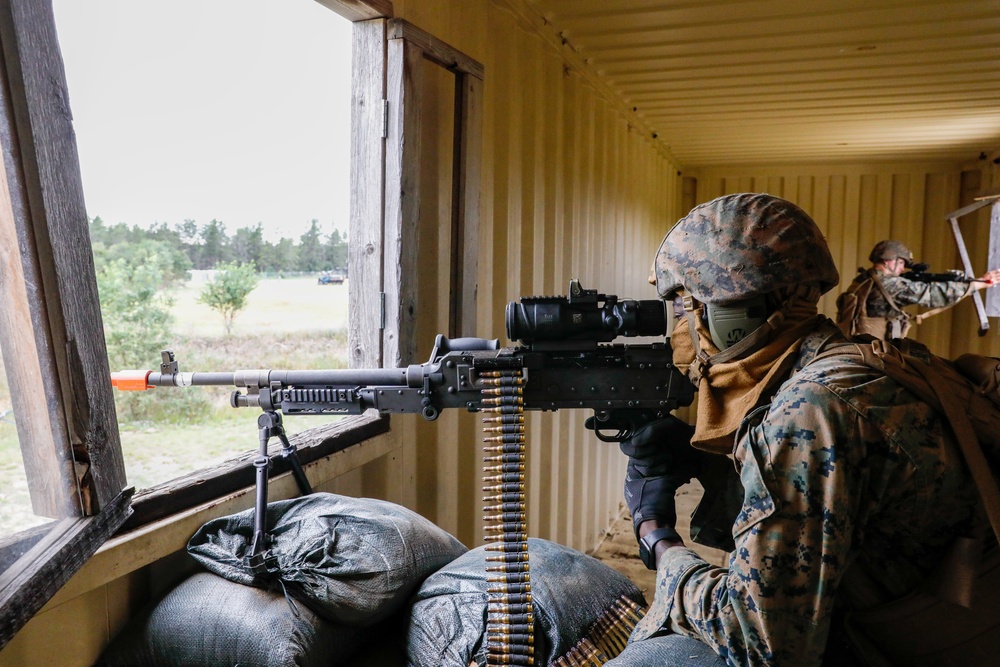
<point>741,246</point>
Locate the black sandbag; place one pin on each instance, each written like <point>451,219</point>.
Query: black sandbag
<point>208,620</point>
<point>352,560</point>
<point>570,591</point>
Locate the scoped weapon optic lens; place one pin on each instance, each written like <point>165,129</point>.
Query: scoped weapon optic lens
<point>593,317</point>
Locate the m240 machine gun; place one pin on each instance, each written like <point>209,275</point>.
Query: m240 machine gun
<point>565,360</point>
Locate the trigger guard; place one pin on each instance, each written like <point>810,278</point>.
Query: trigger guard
<point>620,435</point>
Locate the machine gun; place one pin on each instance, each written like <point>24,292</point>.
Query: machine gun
<point>565,360</point>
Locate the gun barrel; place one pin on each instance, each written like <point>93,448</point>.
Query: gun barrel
<point>140,380</point>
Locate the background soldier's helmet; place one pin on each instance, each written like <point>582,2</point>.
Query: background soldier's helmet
<point>885,251</point>
<point>741,246</point>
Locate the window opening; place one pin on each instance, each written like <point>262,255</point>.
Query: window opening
<point>211,136</point>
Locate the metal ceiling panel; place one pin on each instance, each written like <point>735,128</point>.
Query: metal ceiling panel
<point>728,82</point>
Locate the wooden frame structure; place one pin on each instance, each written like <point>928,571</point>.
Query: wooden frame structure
<point>50,326</point>
<point>52,333</point>
<point>993,306</point>
<point>386,102</point>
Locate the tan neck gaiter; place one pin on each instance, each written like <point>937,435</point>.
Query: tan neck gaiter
<point>729,390</point>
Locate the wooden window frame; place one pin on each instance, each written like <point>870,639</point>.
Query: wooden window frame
<point>386,101</point>
<point>73,432</point>
<point>50,326</point>
<point>52,334</point>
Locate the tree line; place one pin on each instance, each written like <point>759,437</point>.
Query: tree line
<point>188,246</point>
<point>138,268</point>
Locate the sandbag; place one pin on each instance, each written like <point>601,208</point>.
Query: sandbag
<point>353,561</point>
<point>570,591</point>
<point>208,620</point>
<point>668,650</point>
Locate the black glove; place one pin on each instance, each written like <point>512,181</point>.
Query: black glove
<point>661,460</point>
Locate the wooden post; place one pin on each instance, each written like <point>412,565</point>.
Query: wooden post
<point>366,246</point>
<point>465,204</point>
<point>402,201</point>
<point>64,373</point>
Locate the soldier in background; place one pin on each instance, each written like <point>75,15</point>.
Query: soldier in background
<point>851,488</point>
<point>874,302</point>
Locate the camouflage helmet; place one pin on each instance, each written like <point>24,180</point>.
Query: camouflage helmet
<point>740,246</point>
<point>889,250</point>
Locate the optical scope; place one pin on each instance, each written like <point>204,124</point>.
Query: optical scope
<point>583,315</point>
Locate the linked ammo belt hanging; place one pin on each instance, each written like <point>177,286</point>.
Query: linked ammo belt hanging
<point>510,621</point>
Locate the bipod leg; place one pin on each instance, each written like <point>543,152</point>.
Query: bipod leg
<point>265,424</point>
<point>289,454</point>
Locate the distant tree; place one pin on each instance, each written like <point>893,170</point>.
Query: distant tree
<point>248,245</point>
<point>134,308</point>
<point>187,231</point>
<point>311,255</point>
<point>190,240</point>
<point>227,293</point>
<point>98,230</point>
<point>336,251</point>
<point>171,246</point>
<point>284,256</point>
<point>172,264</point>
<point>214,246</point>
<point>137,326</point>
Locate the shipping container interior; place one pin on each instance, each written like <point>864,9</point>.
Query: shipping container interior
<point>499,149</point>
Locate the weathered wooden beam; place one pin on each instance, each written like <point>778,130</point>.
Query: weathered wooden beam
<point>368,120</point>
<point>360,10</point>
<point>402,201</point>
<point>202,486</point>
<point>993,260</point>
<point>434,49</point>
<point>47,209</point>
<point>465,204</point>
<point>31,367</point>
<point>52,561</point>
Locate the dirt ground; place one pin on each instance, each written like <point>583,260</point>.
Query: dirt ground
<point>619,551</point>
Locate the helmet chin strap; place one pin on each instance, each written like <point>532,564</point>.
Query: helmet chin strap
<point>758,337</point>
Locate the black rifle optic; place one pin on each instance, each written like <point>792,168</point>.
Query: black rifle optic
<point>921,273</point>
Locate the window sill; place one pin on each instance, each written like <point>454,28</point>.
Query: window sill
<point>153,540</point>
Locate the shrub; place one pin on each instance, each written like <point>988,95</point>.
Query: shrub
<point>227,293</point>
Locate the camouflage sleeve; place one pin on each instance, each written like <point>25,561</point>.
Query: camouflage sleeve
<point>907,292</point>
<point>774,602</point>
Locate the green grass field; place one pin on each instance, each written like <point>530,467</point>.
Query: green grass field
<point>288,323</point>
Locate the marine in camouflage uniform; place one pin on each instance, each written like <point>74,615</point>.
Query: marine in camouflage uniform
<point>906,292</point>
<point>888,292</point>
<point>841,468</point>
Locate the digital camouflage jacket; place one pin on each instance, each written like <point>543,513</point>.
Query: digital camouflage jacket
<point>906,292</point>
<point>843,468</point>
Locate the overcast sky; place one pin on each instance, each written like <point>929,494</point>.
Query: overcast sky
<point>237,110</point>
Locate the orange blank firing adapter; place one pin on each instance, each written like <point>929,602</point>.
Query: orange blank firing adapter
<point>130,380</point>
